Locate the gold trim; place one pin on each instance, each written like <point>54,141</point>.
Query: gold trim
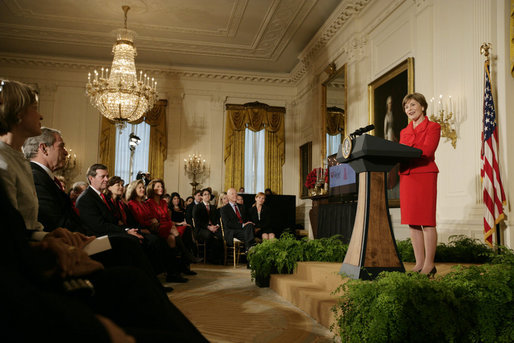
<point>332,76</point>
<point>408,65</point>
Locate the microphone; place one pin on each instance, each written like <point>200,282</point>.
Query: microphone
<point>362,130</point>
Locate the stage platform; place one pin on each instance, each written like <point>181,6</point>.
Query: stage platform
<point>312,285</point>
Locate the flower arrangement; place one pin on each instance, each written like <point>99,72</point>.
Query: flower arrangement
<point>317,174</point>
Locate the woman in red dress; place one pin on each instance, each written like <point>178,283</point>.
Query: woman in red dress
<point>418,182</point>
<point>167,229</point>
<point>145,217</point>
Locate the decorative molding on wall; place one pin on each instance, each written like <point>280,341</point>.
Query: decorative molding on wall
<point>63,64</point>
<point>345,12</point>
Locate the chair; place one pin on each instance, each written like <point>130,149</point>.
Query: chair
<point>236,250</point>
<point>200,245</point>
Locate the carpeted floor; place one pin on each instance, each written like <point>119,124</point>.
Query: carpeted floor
<point>227,307</point>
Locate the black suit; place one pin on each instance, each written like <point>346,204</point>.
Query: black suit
<point>214,241</point>
<point>264,223</point>
<point>189,213</point>
<point>101,221</point>
<point>96,215</point>
<point>35,304</point>
<point>56,210</point>
<point>55,207</point>
<point>234,228</point>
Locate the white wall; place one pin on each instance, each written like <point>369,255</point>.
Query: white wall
<point>444,38</point>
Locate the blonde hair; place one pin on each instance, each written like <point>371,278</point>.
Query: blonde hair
<point>15,97</point>
<point>220,199</point>
<point>131,189</point>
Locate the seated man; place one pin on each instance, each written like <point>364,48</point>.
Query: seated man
<point>100,221</point>
<point>47,155</point>
<point>38,308</point>
<point>235,223</point>
<point>207,227</point>
<point>190,207</point>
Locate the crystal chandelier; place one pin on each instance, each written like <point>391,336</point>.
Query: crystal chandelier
<point>120,95</point>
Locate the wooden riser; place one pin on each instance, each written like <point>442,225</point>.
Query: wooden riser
<point>310,289</point>
<point>312,285</point>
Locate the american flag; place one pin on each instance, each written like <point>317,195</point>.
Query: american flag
<point>494,197</point>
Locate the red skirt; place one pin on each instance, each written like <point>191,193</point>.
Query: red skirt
<point>181,229</point>
<point>418,198</point>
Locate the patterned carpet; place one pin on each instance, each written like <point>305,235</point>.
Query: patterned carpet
<point>227,308</point>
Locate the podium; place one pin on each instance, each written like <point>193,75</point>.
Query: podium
<point>372,247</point>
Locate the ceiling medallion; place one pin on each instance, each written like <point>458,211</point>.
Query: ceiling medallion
<point>119,94</point>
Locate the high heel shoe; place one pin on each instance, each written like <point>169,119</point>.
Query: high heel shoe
<point>432,273</point>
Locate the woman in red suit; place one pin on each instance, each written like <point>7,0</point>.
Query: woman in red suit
<point>418,182</point>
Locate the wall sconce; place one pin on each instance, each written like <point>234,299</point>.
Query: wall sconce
<point>69,165</point>
<point>445,119</point>
<point>194,167</point>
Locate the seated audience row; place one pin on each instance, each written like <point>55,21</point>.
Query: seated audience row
<point>34,287</point>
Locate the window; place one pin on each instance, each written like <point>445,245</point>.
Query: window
<point>122,159</point>
<point>333,143</point>
<point>254,161</point>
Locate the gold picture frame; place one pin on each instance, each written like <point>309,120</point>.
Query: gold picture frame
<point>385,96</point>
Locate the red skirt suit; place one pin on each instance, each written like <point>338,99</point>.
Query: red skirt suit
<point>418,177</point>
<point>161,212</point>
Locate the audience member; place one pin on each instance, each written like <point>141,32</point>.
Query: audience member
<point>240,200</point>
<point>260,214</point>
<point>189,209</point>
<point>189,200</point>
<point>207,227</point>
<point>268,192</point>
<point>241,190</point>
<point>100,221</point>
<point>223,200</point>
<point>112,314</point>
<point>76,190</point>
<point>178,215</point>
<point>235,223</point>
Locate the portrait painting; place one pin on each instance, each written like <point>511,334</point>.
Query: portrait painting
<point>386,94</point>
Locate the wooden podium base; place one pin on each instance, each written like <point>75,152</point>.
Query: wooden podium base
<point>372,247</point>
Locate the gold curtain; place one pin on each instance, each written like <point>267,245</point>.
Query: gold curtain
<point>235,147</point>
<point>256,116</point>
<point>335,121</point>
<point>158,149</point>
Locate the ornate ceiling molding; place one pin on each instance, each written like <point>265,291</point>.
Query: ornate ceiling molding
<point>66,64</point>
<point>346,11</point>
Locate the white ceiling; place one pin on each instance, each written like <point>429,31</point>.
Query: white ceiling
<point>239,35</point>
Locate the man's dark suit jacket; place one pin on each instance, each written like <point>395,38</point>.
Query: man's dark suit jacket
<point>189,213</point>
<point>55,207</point>
<point>231,221</point>
<point>96,215</point>
<point>202,217</point>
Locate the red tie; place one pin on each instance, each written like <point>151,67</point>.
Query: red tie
<point>238,214</point>
<point>58,183</point>
<point>207,207</point>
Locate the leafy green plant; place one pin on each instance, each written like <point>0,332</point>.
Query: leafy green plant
<point>282,255</point>
<point>474,304</point>
<point>458,249</point>
<point>330,249</point>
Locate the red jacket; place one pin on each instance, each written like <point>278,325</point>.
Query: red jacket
<point>425,137</point>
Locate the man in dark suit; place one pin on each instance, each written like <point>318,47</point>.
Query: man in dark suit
<point>207,227</point>
<point>189,209</point>
<point>47,154</point>
<point>100,221</point>
<point>37,308</point>
<point>235,223</point>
